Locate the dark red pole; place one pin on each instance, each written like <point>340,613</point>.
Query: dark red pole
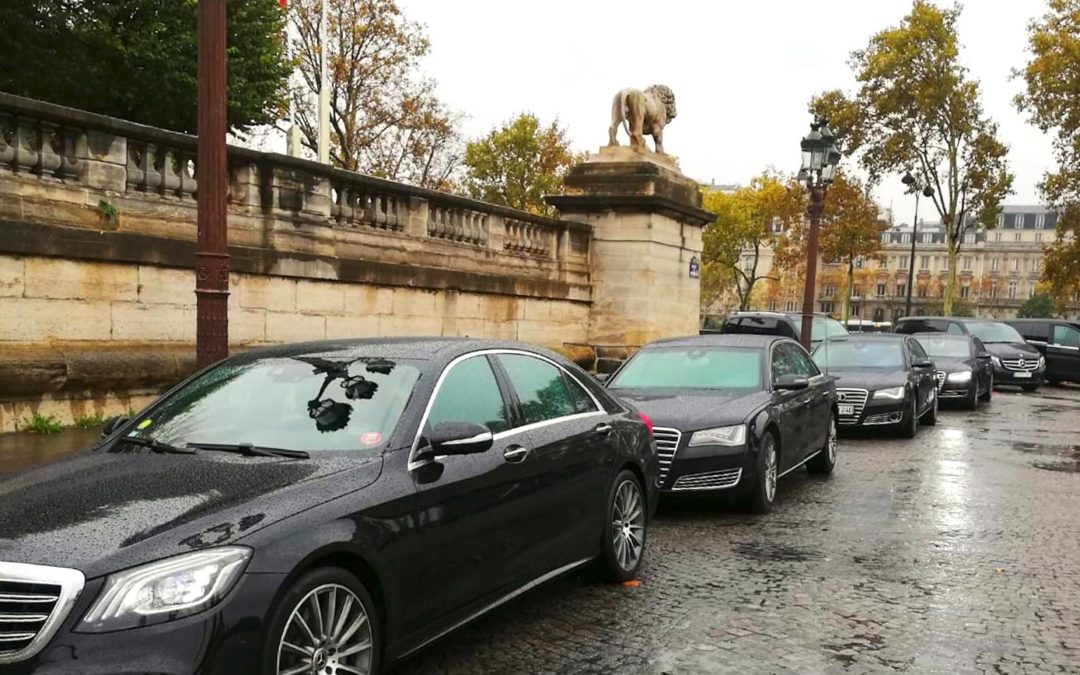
<point>212,255</point>
<point>817,198</point>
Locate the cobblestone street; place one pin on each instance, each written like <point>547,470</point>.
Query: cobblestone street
<point>957,552</point>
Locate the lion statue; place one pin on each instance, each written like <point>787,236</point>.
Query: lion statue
<point>642,112</point>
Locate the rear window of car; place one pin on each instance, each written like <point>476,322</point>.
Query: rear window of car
<point>825,328</point>
<point>917,326</point>
<point>758,325</point>
<point>946,347</point>
<point>860,354</point>
<point>691,368</point>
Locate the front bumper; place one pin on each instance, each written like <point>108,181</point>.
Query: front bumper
<point>225,639</point>
<point>876,413</point>
<point>1004,375</point>
<point>705,468</point>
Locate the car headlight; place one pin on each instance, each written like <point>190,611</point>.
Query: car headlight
<point>960,377</point>
<point>733,435</point>
<point>165,590</point>
<point>892,393</point>
<point>1042,361</point>
<point>995,360</point>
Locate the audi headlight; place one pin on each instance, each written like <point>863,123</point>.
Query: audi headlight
<point>892,393</point>
<point>165,590</point>
<point>960,377</point>
<point>995,360</point>
<point>1042,361</point>
<point>733,435</point>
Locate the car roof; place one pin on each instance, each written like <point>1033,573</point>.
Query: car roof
<point>1043,320</point>
<point>957,319</point>
<point>720,340</point>
<point>938,335</point>
<point>421,348</point>
<point>864,337</point>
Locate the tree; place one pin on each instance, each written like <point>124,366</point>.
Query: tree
<point>917,108</point>
<point>518,163</point>
<point>743,231</point>
<point>850,229</point>
<point>1053,101</point>
<point>1038,306</point>
<point>385,119</point>
<point>136,59</point>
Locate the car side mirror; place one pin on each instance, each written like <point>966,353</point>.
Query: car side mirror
<point>791,383</point>
<point>112,424</point>
<point>923,363</point>
<point>459,438</point>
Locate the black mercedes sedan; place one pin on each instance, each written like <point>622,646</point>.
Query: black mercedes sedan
<point>320,508</point>
<point>964,372</point>
<point>883,380</point>
<point>732,412</point>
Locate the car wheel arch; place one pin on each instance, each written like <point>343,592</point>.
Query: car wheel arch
<point>633,468</point>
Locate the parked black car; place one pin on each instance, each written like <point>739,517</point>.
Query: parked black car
<point>1015,361</point>
<point>320,508</point>
<point>1059,343</point>
<point>732,412</point>
<point>883,380</point>
<point>787,325</point>
<point>964,371</point>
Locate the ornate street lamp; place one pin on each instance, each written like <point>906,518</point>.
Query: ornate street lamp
<point>914,186</point>
<point>820,158</point>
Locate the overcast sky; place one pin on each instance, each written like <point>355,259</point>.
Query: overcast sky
<point>742,72</point>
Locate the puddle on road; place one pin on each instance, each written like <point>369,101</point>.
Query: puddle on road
<point>22,449</point>
<point>1068,455</point>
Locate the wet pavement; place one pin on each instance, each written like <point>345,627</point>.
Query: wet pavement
<point>955,552</point>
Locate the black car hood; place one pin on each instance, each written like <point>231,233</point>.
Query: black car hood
<point>951,365</point>
<point>99,511</point>
<point>868,378</point>
<point>692,409</point>
<point>1012,350</point>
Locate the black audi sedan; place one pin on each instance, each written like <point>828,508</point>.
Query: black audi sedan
<point>320,508</point>
<point>1014,360</point>
<point>963,368</point>
<point>732,412</point>
<point>883,380</point>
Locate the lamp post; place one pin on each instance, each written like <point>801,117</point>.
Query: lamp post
<point>914,186</point>
<point>211,253</point>
<point>820,157</point>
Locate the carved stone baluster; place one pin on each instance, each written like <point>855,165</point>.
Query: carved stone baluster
<point>188,184</point>
<point>7,141</point>
<point>170,173</point>
<point>50,149</point>
<point>337,193</point>
<point>136,177</point>
<point>27,144</point>
<point>69,157</point>
<point>393,220</point>
<point>482,237</point>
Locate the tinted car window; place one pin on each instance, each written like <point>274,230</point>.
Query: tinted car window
<point>1066,336</point>
<point>1032,330</point>
<point>946,348</point>
<point>955,328</point>
<point>980,348</point>
<point>759,325</point>
<point>827,328</point>
<point>993,331</point>
<point>540,386</point>
<point>302,403</point>
<point>860,354</point>
<point>581,399</point>
<point>782,363</point>
<point>691,368</point>
<point>916,326</point>
<point>915,350</point>
<point>469,393</point>
<point>804,365</point>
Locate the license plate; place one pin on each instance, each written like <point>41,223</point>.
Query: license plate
<point>1021,374</point>
<point>847,409</point>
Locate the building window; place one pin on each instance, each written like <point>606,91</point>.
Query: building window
<point>748,264</point>
<point>1012,290</point>
<point>1017,236</point>
<point>854,292</point>
<point>1001,220</point>
<point>1036,265</point>
<point>905,239</point>
<point>1031,290</point>
<point>880,290</point>
<point>1018,220</point>
<point>772,305</point>
<point>901,290</point>
<point>944,263</point>
<point>903,262</point>
<point>1015,265</point>
<point>896,314</point>
<point>967,262</point>
<point>1040,221</point>
<point>854,310</point>
<point>859,262</point>
<point>827,307</point>
<point>790,306</point>
<point>994,292</point>
<point>969,238</point>
<point>830,291</point>
<point>965,291</point>
<point>997,236</point>
<point>1038,236</point>
<point>922,291</point>
<point>924,262</point>
<point>994,263</point>
<point>928,239</point>
<point>879,314</point>
<point>886,238</point>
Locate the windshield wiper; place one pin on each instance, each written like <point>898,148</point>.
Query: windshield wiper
<point>156,446</point>
<point>252,450</point>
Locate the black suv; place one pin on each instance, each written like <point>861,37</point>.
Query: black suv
<point>1015,361</point>
<point>1059,342</point>
<point>786,324</point>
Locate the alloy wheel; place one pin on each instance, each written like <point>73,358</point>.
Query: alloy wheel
<point>328,633</point>
<point>770,471</point>
<point>628,524</point>
<point>832,442</point>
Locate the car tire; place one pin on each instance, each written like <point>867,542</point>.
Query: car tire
<point>768,460</point>
<point>620,558</point>
<point>972,401</point>
<point>929,417</point>
<point>910,425</point>
<point>824,462</point>
<point>356,628</point>
<point>989,391</point>
<point>1029,387</point>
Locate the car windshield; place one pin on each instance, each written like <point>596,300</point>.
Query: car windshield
<point>860,354</point>
<point>691,368</point>
<point>329,402</point>
<point>825,328</point>
<point>992,331</point>
<point>947,348</point>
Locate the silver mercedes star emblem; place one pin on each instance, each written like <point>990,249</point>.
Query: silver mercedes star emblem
<point>1020,363</point>
<point>842,397</point>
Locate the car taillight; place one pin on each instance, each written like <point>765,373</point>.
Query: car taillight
<point>647,421</point>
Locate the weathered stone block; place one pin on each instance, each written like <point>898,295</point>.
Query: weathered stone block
<point>271,293</point>
<point>166,286</point>
<point>35,320</point>
<point>364,300</point>
<point>131,321</point>
<point>413,301</point>
<point>320,296</point>
<point>289,327</point>
<point>347,327</point>
<point>400,325</point>
<point>11,276</point>
<point>59,278</point>
<point>247,326</point>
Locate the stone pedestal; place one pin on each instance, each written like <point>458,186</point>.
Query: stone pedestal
<point>646,249</point>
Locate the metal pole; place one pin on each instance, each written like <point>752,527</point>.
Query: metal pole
<point>211,253</point>
<point>817,198</point>
<point>324,91</point>
<point>911,263</point>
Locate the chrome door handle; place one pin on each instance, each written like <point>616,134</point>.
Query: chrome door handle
<point>603,429</point>
<point>515,453</point>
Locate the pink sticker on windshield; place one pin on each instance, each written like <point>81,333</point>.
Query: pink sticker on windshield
<point>371,438</point>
